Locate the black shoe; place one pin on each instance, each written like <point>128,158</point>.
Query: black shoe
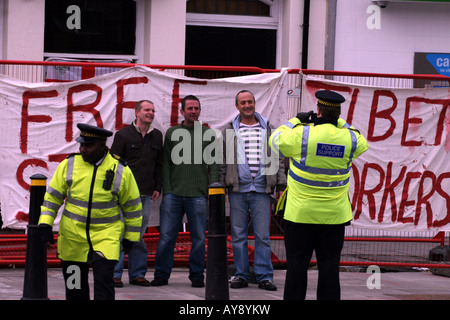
<point>197,283</point>
<point>238,283</point>
<point>118,283</point>
<point>267,285</point>
<point>157,282</point>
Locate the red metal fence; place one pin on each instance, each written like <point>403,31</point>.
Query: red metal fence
<point>361,247</point>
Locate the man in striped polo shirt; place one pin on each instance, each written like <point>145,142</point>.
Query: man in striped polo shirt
<point>251,135</point>
<point>251,173</point>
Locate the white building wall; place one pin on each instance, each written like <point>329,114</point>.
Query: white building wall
<point>22,34</point>
<point>290,34</point>
<point>384,41</point>
<point>164,36</point>
<point>317,34</point>
<point>368,38</point>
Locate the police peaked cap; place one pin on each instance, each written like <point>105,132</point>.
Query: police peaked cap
<point>329,98</point>
<point>91,133</point>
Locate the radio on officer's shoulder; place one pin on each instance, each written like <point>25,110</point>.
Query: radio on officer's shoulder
<point>107,183</point>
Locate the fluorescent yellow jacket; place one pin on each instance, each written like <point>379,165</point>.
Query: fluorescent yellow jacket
<point>320,163</point>
<point>91,218</point>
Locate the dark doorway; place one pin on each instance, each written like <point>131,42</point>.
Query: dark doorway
<point>219,46</point>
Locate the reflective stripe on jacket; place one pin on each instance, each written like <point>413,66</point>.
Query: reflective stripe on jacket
<point>91,218</point>
<point>319,169</point>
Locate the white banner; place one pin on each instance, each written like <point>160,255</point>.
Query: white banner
<point>403,181</point>
<point>38,122</point>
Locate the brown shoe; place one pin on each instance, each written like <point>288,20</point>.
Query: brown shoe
<point>140,282</point>
<point>118,283</point>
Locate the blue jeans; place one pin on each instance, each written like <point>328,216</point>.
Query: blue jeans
<point>137,257</point>
<point>259,206</point>
<point>172,211</point>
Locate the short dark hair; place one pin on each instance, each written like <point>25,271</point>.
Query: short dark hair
<point>330,112</point>
<point>189,97</point>
<point>242,91</point>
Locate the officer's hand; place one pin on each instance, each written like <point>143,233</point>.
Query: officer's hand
<point>127,245</point>
<point>46,234</point>
<point>304,117</point>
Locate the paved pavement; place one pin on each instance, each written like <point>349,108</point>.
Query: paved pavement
<point>356,284</point>
<point>363,294</point>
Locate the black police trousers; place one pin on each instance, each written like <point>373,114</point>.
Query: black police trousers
<point>300,242</point>
<point>76,279</point>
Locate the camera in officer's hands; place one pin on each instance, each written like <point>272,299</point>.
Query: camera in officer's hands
<point>307,117</point>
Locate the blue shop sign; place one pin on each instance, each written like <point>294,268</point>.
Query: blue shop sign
<point>441,62</point>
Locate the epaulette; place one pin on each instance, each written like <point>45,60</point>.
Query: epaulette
<point>300,124</point>
<point>121,160</point>
<point>356,130</point>
<point>72,155</point>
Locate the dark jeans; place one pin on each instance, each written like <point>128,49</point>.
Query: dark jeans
<point>172,211</point>
<point>300,241</point>
<point>76,279</point>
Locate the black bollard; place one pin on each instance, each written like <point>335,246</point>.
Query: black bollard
<point>216,263</point>
<point>35,280</point>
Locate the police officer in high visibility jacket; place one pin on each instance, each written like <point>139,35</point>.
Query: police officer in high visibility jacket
<point>94,185</point>
<point>321,149</point>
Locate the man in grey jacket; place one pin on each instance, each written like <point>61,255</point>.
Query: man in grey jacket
<point>251,173</point>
